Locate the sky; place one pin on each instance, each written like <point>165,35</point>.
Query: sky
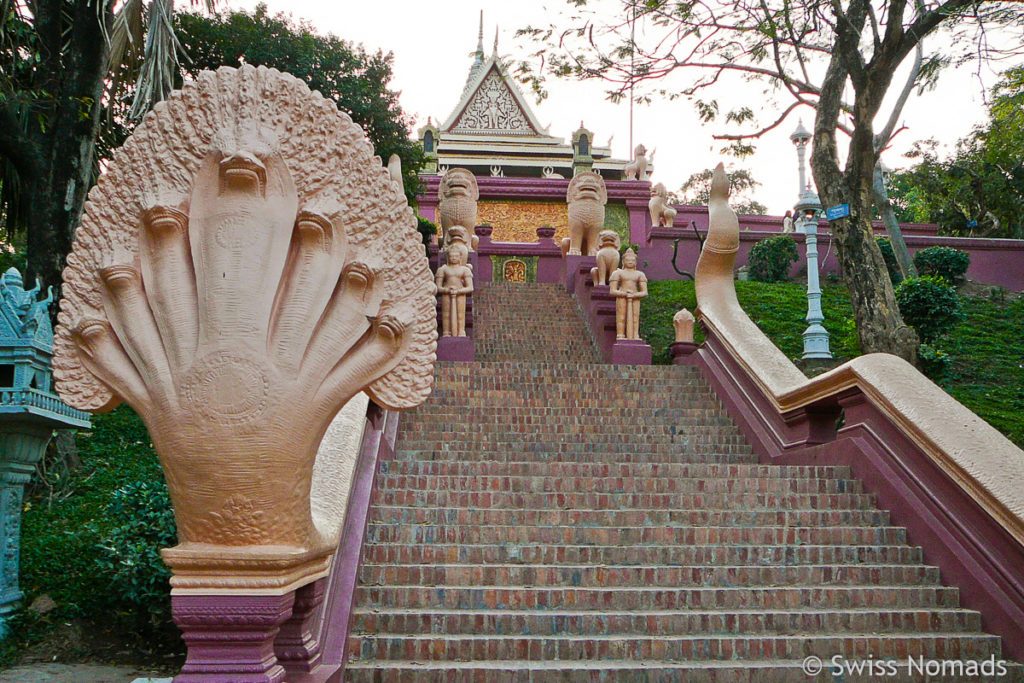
<point>432,44</point>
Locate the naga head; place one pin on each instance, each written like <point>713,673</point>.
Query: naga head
<point>244,267</point>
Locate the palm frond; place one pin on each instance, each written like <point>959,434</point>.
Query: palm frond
<point>160,62</point>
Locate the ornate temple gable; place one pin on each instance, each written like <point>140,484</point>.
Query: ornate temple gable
<point>493,105</point>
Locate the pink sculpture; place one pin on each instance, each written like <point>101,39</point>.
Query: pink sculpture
<point>683,321</point>
<point>637,169</point>
<point>662,214</point>
<point>628,285</point>
<point>243,268</point>
<point>454,283</point>
<point>607,257</point>
<point>458,194</point>
<point>586,196</point>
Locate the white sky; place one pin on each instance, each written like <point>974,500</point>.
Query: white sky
<point>432,42</point>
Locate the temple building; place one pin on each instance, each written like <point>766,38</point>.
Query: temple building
<point>521,169</point>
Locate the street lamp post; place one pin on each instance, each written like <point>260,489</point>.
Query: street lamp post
<point>808,208</point>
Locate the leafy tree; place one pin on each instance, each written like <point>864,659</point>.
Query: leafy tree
<point>58,58</point>
<point>697,191</point>
<point>979,189</point>
<point>340,70</point>
<point>838,58</point>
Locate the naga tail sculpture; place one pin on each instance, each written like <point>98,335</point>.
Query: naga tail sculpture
<point>243,268</point>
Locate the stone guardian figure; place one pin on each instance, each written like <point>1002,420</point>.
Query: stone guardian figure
<point>458,194</point>
<point>454,283</point>
<point>586,196</point>
<point>607,257</point>
<point>628,286</point>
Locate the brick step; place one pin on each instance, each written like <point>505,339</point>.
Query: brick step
<point>520,468</point>
<point>464,647</point>
<point>633,671</point>
<point>638,484</point>
<point>660,454</point>
<point>568,438</point>
<point>664,622</point>
<point>389,514</point>
<point>624,415</point>
<point>556,371</point>
<point>384,553</point>
<point>645,575</point>
<point>440,424</point>
<point>623,501</point>
<point>571,535</point>
<point>645,598</point>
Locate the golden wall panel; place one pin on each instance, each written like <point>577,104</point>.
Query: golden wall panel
<point>518,221</point>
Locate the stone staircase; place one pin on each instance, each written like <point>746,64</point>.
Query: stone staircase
<point>548,519</point>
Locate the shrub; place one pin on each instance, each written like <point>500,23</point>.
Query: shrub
<point>929,304</point>
<point>771,258</point>
<point>935,363</point>
<point>128,556</point>
<point>427,229</point>
<point>889,256</point>
<point>944,262</point>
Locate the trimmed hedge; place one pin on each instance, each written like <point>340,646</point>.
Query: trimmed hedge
<point>929,304</point>
<point>945,262</point>
<point>771,258</point>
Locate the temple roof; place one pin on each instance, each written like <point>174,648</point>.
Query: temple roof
<point>493,131</point>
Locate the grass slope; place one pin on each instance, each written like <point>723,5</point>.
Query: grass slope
<point>986,348</point>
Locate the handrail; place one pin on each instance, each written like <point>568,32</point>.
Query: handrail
<point>953,481</point>
<point>987,465</point>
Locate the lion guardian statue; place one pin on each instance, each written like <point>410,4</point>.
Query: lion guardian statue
<point>637,169</point>
<point>662,215</point>
<point>457,194</point>
<point>586,196</point>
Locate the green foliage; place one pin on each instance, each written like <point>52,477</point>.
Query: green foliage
<point>935,363</point>
<point>75,549</point>
<point>979,189</point>
<point>771,258</point>
<point>696,191</point>
<point>340,70</point>
<point>928,304</point>
<point>142,522</point>
<point>778,309</point>
<point>987,369</point>
<point>891,264</point>
<point>946,262</point>
<point>427,229</point>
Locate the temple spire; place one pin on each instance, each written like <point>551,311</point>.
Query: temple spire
<point>478,56</point>
<point>480,41</point>
<point>495,41</point>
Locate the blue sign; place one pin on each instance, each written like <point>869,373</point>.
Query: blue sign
<point>972,224</point>
<point>834,212</point>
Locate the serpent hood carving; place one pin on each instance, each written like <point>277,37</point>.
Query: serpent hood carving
<point>243,268</point>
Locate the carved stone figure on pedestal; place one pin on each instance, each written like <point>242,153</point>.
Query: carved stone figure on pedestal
<point>607,257</point>
<point>628,286</point>
<point>683,321</point>
<point>454,283</point>
<point>637,169</point>
<point>662,215</point>
<point>586,197</point>
<point>458,195</point>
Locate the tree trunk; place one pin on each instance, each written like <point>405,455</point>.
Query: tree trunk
<point>879,325</point>
<point>892,227</point>
<point>67,142</point>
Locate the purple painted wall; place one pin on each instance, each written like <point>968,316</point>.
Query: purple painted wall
<point>993,261</point>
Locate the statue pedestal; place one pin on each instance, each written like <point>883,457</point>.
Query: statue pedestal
<point>455,349</point>
<point>682,352</point>
<point>230,637</point>
<point>631,352</point>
